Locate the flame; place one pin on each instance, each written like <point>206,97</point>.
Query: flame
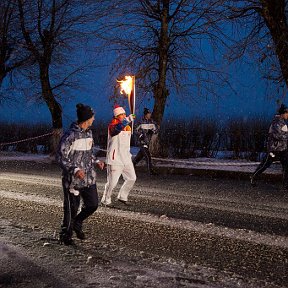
<point>126,85</point>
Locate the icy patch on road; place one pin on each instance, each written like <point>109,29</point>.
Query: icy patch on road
<point>30,179</point>
<point>276,210</point>
<point>210,229</point>
<point>17,156</point>
<point>107,266</point>
<point>30,198</point>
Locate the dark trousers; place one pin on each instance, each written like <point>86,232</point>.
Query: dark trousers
<point>143,153</point>
<point>281,156</point>
<point>71,205</point>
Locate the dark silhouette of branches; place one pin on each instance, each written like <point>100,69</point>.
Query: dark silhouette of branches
<point>263,32</point>
<point>12,53</point>
<point>53,30</point>
<point>166,43</point>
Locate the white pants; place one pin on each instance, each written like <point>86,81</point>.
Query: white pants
<point>113,174</point>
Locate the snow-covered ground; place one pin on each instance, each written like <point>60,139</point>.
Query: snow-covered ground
<point>240,165</point>
<point>162,241</point>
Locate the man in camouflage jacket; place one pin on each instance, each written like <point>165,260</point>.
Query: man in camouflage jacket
<point>276,146</point>
<point>75,156</point>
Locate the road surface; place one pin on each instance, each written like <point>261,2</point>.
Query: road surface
<point>180,231</point>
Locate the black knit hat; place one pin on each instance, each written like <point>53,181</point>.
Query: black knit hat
<point>146,111</point>
<point>283,109</point>
<point>84,112</point>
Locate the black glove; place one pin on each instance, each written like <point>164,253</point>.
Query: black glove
<point>150,132</point>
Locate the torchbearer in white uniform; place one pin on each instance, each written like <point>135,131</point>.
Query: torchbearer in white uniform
<point>119,159</point>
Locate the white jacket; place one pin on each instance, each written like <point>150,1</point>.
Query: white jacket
<point>118,149</point>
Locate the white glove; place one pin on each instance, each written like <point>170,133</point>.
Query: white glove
<point>131,117</point>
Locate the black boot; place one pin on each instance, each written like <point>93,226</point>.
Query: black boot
<point>77,227</point>
<point>65,237</point>
<point>253,181</point>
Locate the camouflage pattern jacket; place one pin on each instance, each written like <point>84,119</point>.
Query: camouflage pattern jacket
<point>144,131</point>
<point>278,135</point>
<point>75,153</point>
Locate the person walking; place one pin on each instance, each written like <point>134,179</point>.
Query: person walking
<point>276,146</point>
<point>75,156</point>
<point>144,131</point>
<point>118,157</point>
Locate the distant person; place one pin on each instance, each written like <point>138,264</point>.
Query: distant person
<point>144,131</point>
<point>118,158</point>
<point>276,146</point>
<point>75,156</point>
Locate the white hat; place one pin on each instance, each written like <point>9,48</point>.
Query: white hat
<point>118,110</point>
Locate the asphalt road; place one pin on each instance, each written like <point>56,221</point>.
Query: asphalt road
<point>208,220</point>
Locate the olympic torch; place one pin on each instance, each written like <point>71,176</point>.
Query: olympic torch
<point>127,86</point>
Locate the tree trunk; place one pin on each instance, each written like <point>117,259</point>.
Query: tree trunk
<point>2,74</point>
<point>54,107</point>
<point>273,13</point>
<point>1,79</point>
<point>160,91</point>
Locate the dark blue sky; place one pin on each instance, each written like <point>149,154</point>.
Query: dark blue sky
<point>251,100</point>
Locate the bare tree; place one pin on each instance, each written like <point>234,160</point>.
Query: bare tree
<point>262,31</point>
<point>165,43</point>
<point>12,53</point>
<point>52,30</point>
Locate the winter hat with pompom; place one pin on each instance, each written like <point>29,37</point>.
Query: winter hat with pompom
<point>118,110</point>
<point>84,112</point>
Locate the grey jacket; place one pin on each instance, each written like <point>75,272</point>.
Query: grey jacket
<point>145,128</point>
<point>278,135</point>
<point>75,153</point>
